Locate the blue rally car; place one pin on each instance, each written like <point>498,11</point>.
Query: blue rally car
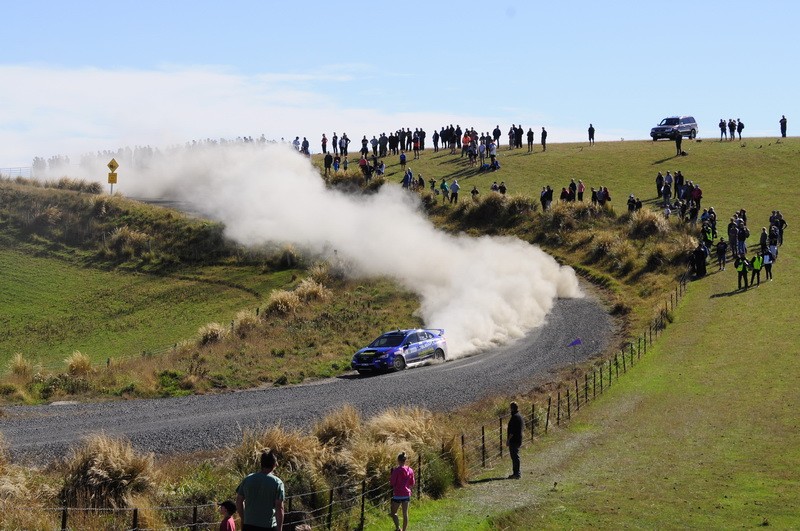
<point>396,350</point>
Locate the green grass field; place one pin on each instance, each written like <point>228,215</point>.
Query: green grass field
<point>54,307</point>
<point>704,433</point>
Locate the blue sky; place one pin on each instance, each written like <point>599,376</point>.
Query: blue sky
<point>87,76</point>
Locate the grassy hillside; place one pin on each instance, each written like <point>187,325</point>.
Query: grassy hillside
<point>703,433</point>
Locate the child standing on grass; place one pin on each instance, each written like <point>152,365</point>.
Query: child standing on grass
<point>227,509</point>
<point>402,479</point>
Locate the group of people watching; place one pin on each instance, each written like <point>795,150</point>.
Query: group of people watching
<point>734,126</point>
<point>574,191</point>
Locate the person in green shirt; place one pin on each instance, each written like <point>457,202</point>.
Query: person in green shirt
<point>259,497</point>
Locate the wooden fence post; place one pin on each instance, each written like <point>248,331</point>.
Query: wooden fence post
<point>194,518</point>
<point>569,413</point>
<point>547,419</point>
<point>533,419</point>
<point>418,476</point>
<point>616,365</point>
<point>64,519</point>
<point>463,453</point>
<point>585,387</point>
<point>624,366</point>
<point>577,396</point>
<point>330,510</point>
<point>501,437</point>
<point>594,382</point>
<point>135,525</point>
<point>609,373</point>
<point>361,520</point>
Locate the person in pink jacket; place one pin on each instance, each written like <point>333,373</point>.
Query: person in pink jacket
<point>401,480</point>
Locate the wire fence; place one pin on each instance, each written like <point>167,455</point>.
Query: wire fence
<point>351,505</point>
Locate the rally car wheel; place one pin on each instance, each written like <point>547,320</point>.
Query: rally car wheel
<point>399,363</point>
<point>439,354</point>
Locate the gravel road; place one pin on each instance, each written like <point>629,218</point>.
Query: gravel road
<point>165,426</point>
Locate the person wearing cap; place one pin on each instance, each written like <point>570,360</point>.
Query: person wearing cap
<point>227,509</point>
<point>454,188</point>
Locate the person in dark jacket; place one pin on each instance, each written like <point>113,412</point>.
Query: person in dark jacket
<point>516,425</point>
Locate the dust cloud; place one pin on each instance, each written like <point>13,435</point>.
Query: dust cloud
<point>482,291</point>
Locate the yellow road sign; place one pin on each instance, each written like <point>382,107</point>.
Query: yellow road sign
<point>112,177</point>
<point>113,165</point>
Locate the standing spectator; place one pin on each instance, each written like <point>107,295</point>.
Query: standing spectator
<point>530,140</point>
<point>516,426</point>
<point>544,139</point>
<point>783,125</point>
<point>781,224</point>
<point>739,127</point>
<point>227,509</point>
<point>496,134</point>
<point>344,142</point>
<point>435,139</point>
<point>445,189</point>
<point>659,184</point>
<point>502,188</point>
<point>304,146</point>
<point>723,131</point>
<point>335,143</point>
<point>475,193</point>
<point>763,240</point>
<point>631,203</point>
<point>259,497</point>
<point>402,160</point>
<point>581,189</point>
<point>678,142</point>
<point>296,143</point>
<point>573,188</point>
<point>722,250</point>
<point>328,162</point>
<point>732,130</point>
<point>492,153</point>
<point>401,480</point>
<point>374,144</point>
<point>756,263</point>
<point>336,161</point>
<point>768,266</point>
<point>740,264</point>
<point>324,144</point>
<point>591,135</point>
<point>454,188</point>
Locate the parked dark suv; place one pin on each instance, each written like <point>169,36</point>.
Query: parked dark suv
<point>674,125</point>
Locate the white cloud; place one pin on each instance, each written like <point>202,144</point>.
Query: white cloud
<point>49,111</point>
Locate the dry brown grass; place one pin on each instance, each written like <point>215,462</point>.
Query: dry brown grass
<point>645,223</point>
<point>20,368</point>
<point>211,333</point>
<point>282,302</point>
<point>106,472</point>
<point>78,364</point>
<point>245,323</point>
<point>320,273</point>
<point>338,427</point>
<point>295,450</point>
<point>311,290</point>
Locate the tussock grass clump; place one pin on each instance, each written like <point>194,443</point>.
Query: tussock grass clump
<point>106,473</point>
<point>210,333</point>
<point>283,302</point>
<point>76,185</point>
<point>350,180</point>
<point>128,242</point>
<point>338,427</point>
<point>310,290</point>
<point>320,272</point>
<point>645,223</point>
<point>560,216</point>
<point>245,323</point>
<point>78,364</point>
<point>299,457</point>
<point>411,425</point>
<point>19,367</point>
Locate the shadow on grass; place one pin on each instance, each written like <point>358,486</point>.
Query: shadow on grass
<point>662,161</point>
<point>486,480</point>
<point>728,293</point>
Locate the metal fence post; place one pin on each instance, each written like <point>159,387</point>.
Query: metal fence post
<point>501,437</point>
<point>483,446</point>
